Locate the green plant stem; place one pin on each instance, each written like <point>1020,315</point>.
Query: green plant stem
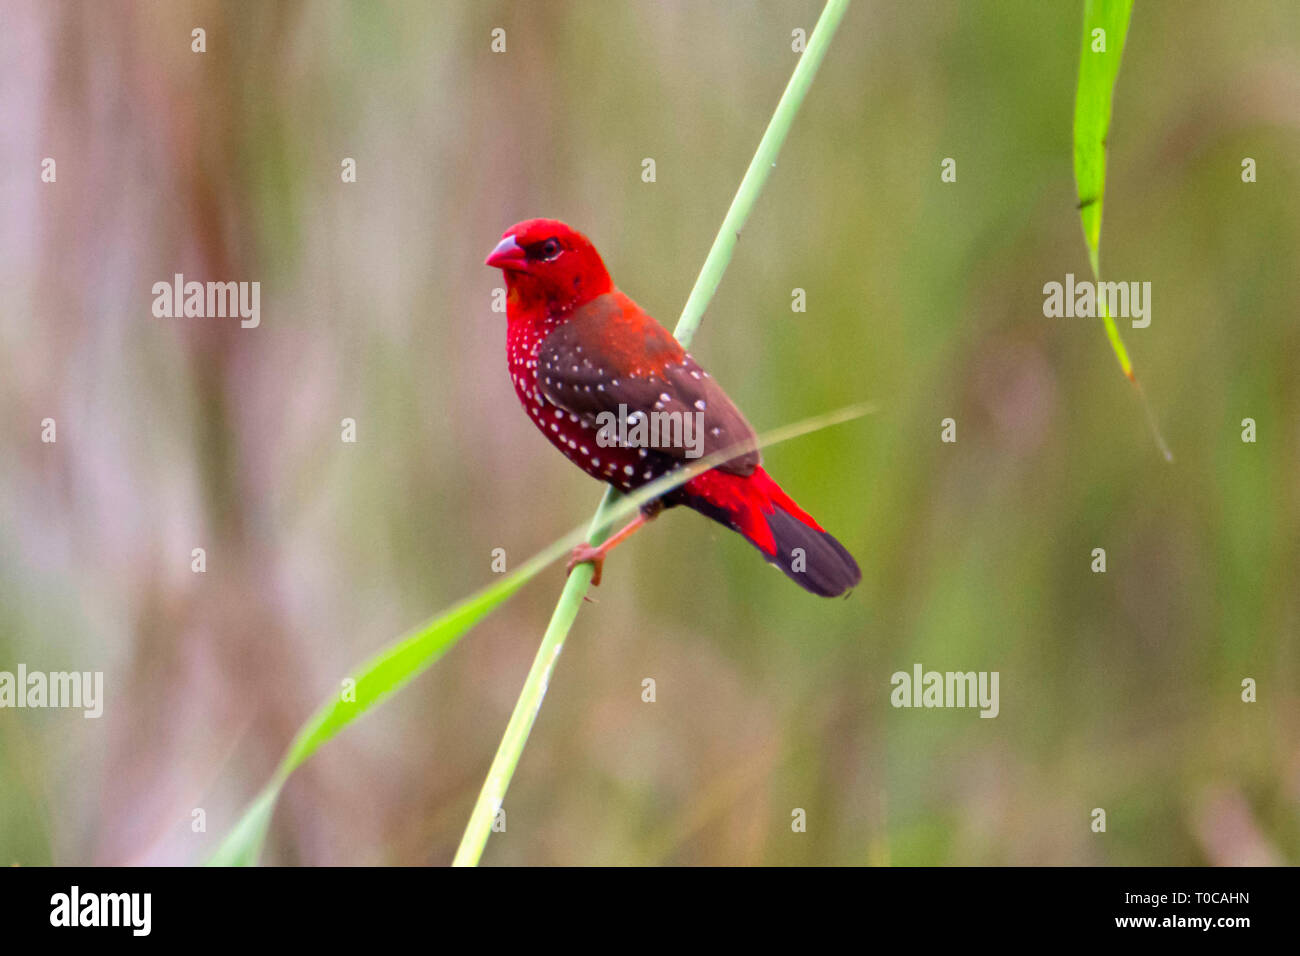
<point>521,722</point>
<point>386,672</point>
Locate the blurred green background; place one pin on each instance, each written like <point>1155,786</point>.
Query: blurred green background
<point>1118,690</point>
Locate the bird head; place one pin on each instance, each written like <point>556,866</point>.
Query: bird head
<point>543,260</point>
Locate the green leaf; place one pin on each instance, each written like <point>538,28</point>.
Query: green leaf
<point>1098,69</point>
<point>1099,60</point>
<point>389,670</point>
<point>1105,28</point>
<point>376,679</point>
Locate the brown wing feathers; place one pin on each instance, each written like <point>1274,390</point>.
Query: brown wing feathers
<point>610,353</point>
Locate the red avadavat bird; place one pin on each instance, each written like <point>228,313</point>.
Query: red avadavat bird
<point>581,353</point>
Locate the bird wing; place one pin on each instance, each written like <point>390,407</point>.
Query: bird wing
<point>610,353</point>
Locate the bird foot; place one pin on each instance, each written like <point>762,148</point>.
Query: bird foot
<point>586,554</point>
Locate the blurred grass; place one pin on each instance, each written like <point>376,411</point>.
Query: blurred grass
<point>1118,690</point>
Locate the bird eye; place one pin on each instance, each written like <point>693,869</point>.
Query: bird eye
<point>549,249</point>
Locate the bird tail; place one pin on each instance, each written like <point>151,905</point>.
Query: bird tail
<point>787,536</point>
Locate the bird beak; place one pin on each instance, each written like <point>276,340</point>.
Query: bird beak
<point>507,255</point>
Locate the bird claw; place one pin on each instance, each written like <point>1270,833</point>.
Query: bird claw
<point>586,554</point>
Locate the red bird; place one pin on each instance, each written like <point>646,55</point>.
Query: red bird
<point>583,356</point>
